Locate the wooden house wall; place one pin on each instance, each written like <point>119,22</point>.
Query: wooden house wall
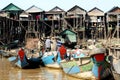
<point>76,12</point>
<point>8,34</point>
<point>54,16</point>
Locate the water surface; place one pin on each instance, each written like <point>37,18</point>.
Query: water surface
<point>10,72</point>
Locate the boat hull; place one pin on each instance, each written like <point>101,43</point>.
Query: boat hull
<point>54,65</point>
<point>25,63</point>
<point>52,61</point>
<point>116,70</point>
<point>82,72</point>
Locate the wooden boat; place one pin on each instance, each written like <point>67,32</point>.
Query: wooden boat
<point>116,75</point>
<point>52,60</point>
<point>80,56</point>
<point>54,65</point>
<point>48,59</point>
<point>10,45</point>
<point>101,68</point>
<point>5,54</point>
<point>79,61</point>
<point>116,70</point>
<point>98,68</point>
<point>83,60</point>
<point>114,60</point>
<point>13,58</point>
<point>25,63</point>
<point>83,71</point>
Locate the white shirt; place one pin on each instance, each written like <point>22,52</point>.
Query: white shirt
<point>48,43</point>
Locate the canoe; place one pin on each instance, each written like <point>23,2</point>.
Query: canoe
<point>29,63</point>
<point>83,60</point>
<point>52,60</point>
<point>54,65</point>
<point>83,71</point>
<point>83,75</point>
<point>11,59</point>
<point>10,45</point>
<point>48,59</point>
<point>101,68</point>
<point>98,66</point>
<point>5,54</point>
<point>79,61</point>
<point>116,75</point>
<point>25,63</point>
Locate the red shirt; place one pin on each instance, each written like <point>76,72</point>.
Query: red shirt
<point>62,51</point>
<point>100,57</point>
<point>21,54</point>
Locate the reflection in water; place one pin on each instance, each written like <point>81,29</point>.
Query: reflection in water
<point>53,74</point>
<point>9,72</point>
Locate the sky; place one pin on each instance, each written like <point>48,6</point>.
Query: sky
<point>104,5</point>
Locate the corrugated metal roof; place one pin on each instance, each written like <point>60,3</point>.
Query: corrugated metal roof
<point>12,7</point>
<point>77,9</point>
<point>24,14</point>
<point>56,9</point>
<point>95,12</point>
<point>34,9</point>
<point>114,10</point>
<point>67,31</point>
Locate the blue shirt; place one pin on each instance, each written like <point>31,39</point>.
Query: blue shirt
<point>59,43</point>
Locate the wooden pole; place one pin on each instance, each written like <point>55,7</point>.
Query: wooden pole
<point>118,27</point>
<point>104,28</point>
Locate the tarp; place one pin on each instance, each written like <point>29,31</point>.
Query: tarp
<point>69,35</point>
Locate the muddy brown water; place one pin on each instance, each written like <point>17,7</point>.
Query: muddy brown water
<point>10,72</point>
